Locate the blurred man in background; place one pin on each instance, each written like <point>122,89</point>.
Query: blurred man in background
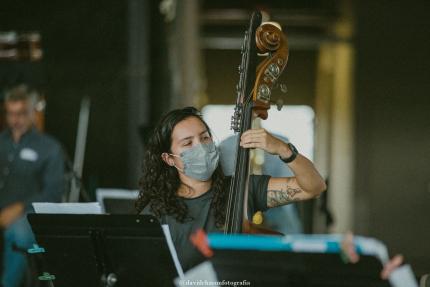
<point>31,170</point>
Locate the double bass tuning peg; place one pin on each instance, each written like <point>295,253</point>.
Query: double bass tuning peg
<point>284,88</point>
<point>279,103</point>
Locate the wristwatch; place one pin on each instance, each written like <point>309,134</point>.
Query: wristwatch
<point>293,156</point>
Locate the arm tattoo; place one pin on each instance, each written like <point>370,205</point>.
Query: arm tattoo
<point>283,196</point>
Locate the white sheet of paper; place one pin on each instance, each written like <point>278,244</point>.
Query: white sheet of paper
<point>202,275</point>
<point>403,277</point>
<point>67,208</point>
<point>172,249</point>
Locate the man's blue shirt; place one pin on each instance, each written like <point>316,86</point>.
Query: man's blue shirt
<point>31,170</point>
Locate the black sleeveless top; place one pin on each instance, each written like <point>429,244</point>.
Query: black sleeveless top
<point>202,216</point>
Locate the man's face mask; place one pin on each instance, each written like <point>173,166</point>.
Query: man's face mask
<point>200,161</point>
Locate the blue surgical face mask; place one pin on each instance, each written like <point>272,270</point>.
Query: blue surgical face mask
<point>200,161</point>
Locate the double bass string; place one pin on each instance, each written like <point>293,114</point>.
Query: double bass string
<point>240,160</point>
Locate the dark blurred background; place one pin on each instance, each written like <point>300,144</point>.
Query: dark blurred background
<point>363,66</point>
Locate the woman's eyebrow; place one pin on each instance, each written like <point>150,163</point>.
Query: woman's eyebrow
<point>187,138</point>
<point>190,137</point>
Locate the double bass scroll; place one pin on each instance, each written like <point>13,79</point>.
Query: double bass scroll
<point>269,39</point>
<point>253,98</point>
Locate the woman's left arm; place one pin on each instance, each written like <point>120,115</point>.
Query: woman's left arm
<point>307,183</point>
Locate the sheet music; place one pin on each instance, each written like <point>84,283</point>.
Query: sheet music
<point>203,274</point>
<point>67,208</point>
<point>172,249</point>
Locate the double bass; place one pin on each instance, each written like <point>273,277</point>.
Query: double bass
<point>253,100</point>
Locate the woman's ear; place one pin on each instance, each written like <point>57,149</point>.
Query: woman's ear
<point>167,159</point>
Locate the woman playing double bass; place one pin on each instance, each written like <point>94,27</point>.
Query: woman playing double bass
<point>183,184</point>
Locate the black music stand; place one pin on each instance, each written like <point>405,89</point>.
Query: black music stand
<point>291,269</point>
<point>104,250</point>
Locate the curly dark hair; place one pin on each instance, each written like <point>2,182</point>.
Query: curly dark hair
<point>160,182</point>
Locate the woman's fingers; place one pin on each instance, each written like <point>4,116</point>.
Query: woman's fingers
<point>389,267</point>
<point>252,138</point>
<point>254,132</point>
<point>348,248</point>
<point>252,145</point>
<point>259,138</point>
